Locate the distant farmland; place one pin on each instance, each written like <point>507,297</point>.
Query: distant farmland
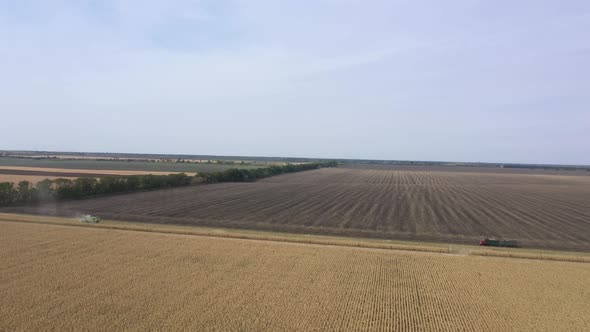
<point>16,178</point>
<point>541,211</point>
<point>16,174</point>
<point>93,164</point>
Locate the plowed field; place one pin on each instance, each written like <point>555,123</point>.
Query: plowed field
<point>541,211</point>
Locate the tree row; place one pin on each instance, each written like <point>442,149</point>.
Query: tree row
<point>50,190</point>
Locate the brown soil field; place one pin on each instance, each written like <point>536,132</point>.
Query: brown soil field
<point>56,277</point>
<point>31,178</point>
<point>16,174</point>
<point>465,169</point>
<point>541,211</point>
<point>41,171</point>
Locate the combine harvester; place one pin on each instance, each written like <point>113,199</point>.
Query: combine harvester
<point>498,243</point>
<point>89,219</point>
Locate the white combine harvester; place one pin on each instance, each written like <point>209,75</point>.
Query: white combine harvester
<point>90,219</point>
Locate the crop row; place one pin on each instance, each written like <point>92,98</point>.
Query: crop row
<point>443,206</point>
<point>73,278</point>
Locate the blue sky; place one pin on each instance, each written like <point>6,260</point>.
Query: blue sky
<point>505,81</point>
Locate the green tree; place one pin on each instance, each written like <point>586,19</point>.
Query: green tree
<point>24,191</point>
<point>7,193</point>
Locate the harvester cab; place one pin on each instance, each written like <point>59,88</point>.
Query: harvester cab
<point>90,219</point>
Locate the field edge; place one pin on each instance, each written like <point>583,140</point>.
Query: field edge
<point>367,243</point>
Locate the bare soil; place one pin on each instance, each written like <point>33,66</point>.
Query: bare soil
<point>539,210</point>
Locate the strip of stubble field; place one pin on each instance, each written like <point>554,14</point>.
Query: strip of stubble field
<point>367,243</point>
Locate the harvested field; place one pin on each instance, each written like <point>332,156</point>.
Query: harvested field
<point>31,178</point>
<point>372,243</point>
<point>44,171</point>
<point>541,211</point>
<point>467,169</point>
<point>16,174</point>
<point>117,165</point>
<point>75,278</point>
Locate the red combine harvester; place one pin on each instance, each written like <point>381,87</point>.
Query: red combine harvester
<point>498,243</point>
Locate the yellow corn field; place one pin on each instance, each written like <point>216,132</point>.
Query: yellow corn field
<point>63,277</point>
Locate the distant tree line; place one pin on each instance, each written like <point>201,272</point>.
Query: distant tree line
<point>159,160</point>
<point>47,190</point>
<point>547,167</point>
<point>245,175</point>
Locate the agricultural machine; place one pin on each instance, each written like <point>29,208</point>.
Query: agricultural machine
<point>90,219</point>
<point>498,243</point>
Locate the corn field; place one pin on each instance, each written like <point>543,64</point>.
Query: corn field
<point>63,277</point>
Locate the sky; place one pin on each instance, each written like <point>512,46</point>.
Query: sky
<point>472,80</point>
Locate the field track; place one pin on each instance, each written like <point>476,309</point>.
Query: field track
<point>16,174</point>
<point>53,174</point>
<point>76,278</point>
<point>541,211</point>
<point>44,171</point>
<point>370,243</point>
